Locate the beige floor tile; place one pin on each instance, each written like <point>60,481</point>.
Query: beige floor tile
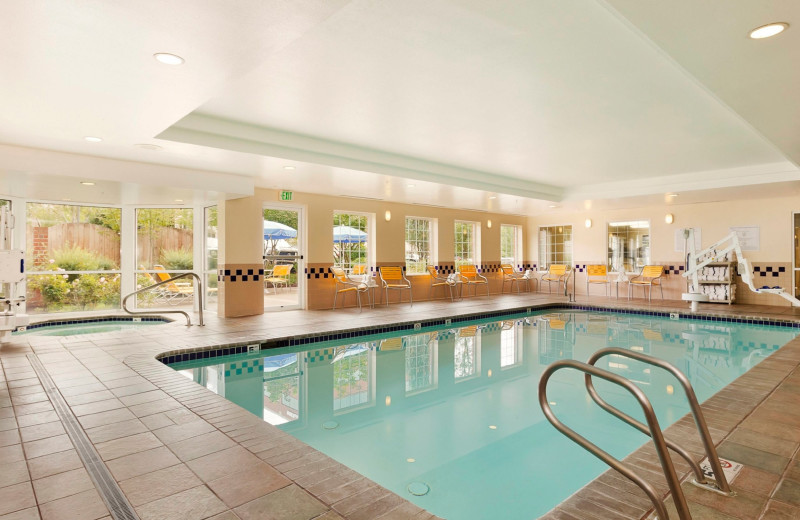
<point>31,513</point>
<point>8,423</point>
<point>83,506</point>
<point>34,397</point>
<point>12,453</point>
<point>96,407</point>
<point>289,503</point>
<point>127,445</point>
<point>137,464</point>
<point>248,484</point>
<point>100,419</point>
<point>62,485</point>
<point>37,418</point>
<point>193,504</point>
<point>47,446</point>
<point>222,463</point>
<point>158,484</point>
<point>9,437</point>
<point>109,432</point>
<point>54,463</point>
<point>16,497</point>
<point>13,473</point>
<point>201,445</point>
<point>179,432</point>
<point>41,431</point>
<point>25,409</point>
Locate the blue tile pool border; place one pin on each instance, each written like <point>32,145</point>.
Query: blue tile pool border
<point>83,321</point>
<point>206,352</point>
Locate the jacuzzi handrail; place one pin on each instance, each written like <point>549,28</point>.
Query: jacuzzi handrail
<point>654,432</point>
<point>171,279</point>
<point>697,413</point>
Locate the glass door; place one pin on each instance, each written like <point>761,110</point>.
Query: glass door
<point>796,254</point>
<point>284,265</point>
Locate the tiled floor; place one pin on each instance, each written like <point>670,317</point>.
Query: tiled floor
<point>178,451</point>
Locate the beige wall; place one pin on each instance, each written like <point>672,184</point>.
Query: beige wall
<point>773,216</point>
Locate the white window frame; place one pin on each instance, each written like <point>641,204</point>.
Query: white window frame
<point>476,241</point>
<point>544,263</point>
<point>371,238</point>
<point>517,244</point>
<point>649,235</point>
<point>432,242</point>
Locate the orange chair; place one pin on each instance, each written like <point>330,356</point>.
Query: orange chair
<point>597,274</point>
<point>472,278</point>
<point>511,277</point>
<point>556,273</point>
<point>439,281</point>
<point>650,276</point>
<point>345,285</point>
<point>392,277</point>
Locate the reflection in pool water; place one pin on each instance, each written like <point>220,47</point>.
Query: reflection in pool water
<point>457,409</point>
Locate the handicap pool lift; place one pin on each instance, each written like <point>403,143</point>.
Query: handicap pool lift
<point>12,273</point>
<point>696,260</point>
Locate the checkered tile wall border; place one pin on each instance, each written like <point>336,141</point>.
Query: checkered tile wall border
<point>244,367</point>
<point>240,275</point>
<point>768,270</point>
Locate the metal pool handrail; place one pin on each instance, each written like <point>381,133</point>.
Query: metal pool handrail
<point>199,293</point>
<point>655,433</point>
<point>697,414</point>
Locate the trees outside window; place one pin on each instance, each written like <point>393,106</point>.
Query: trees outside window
<point>419,245</point>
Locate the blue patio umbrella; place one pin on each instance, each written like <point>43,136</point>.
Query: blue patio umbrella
<point>348,235</point>
<point>277,231</point>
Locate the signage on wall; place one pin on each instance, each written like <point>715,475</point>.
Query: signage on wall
<point>749,237</point>
<point>286,195</point>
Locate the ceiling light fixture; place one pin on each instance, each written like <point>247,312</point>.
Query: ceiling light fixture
<point>771,29</point>
<point>148,146</point>
<point>492,197</point>
<point>92,139</point>
<point>168,59</point>
<point>552,206</point>
<point>289,168</point>
<point>178,200</point>
<point>87,183</point>
<point>411,185</point>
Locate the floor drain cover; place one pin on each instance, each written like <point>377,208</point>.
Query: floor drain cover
<point>330,425</point>
<point>418,488</point>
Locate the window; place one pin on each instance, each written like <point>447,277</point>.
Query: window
<point>211,255</point>
<point>511,245</point>
<point>467,354</point>
<point>350,240</point>
<point>555,246</point>
<point>466,238</point>
<point>510,345</point>
<point>353,377</point>
<point>421,359</point>
<point>72,257</point>
<point>164,248</point>
<point>628,245</point>
<point>282,388</point>
<point>419,245</point>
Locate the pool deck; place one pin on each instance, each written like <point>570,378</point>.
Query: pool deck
<point>178,451</point>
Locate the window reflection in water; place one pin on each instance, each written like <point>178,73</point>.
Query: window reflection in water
<point>352,375</point>
<point>281,388</point>
<point>510,344</point>
<point>422,354</point>
<point>467,354</point>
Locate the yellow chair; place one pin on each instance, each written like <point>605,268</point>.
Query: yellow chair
<point>472,278</point>
<point>439,281</point>
<point>597,274</point>
<point>511,277</point>
<point>345,285</point>
<point>279,276</point>
<point>392,277</point>
<point>176,292</point>
<point>555,273</point>
<point>650,276</point>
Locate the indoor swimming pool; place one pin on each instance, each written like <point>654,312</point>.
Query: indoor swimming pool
<point>448,418</point>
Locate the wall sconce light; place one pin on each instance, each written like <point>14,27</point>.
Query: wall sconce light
<point>489,223</point>
<point>588,223</point>
<point>387,215</point>
<point>669,218</point>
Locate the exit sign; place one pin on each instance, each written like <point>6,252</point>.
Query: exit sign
<point>286,195</point>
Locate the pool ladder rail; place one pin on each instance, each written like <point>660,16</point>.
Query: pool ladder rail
<point>198,291</point>
<point>652,428</point>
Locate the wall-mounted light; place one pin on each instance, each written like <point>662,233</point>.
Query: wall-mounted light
<point>669,218</point>
<point>388,400</point>
<point>587,223</point>
<point>489,223</point>
<point>387,215</point>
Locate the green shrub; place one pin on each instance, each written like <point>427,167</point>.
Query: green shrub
<point>177,259</point>
<point>75,258</point>
<point>87,291</point>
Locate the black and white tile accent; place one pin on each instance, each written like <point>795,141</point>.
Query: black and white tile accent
<point>240,275</point>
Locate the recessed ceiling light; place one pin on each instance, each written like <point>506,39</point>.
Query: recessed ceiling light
<point>178,200</point>
<point>765,31</point>
<point>411,185</point>
<point>492,197</point>
<point>87,183</point>
<point>288,168</point>
<point>168,59</point>
<point>148,146</point>
<point>552,206</point>
<point>92,139</point>
<point>673,195</point>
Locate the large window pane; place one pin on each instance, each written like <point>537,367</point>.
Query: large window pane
<point>628,245</point>
<point>73,257</point>
<point>555,246</point>
<point>352,377</point>
<point>511,245</point>
<point>421,363</point>
<point>465,250</point>
<point>350,240</point>
<point>419,242</point>
<point>211,256</point>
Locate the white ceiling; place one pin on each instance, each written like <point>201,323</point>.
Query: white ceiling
<point>531,102</point>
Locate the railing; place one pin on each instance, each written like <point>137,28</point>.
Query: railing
<point>198,291</point>
<point>697,414</point>
<point>652,428</point>
<point>654,432</point>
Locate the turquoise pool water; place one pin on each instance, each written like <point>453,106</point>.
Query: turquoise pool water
<point>456,409</point>
<point>84,327</point>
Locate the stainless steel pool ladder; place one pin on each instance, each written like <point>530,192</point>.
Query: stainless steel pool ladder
<point>652,428</point>
<point>198,291</point>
